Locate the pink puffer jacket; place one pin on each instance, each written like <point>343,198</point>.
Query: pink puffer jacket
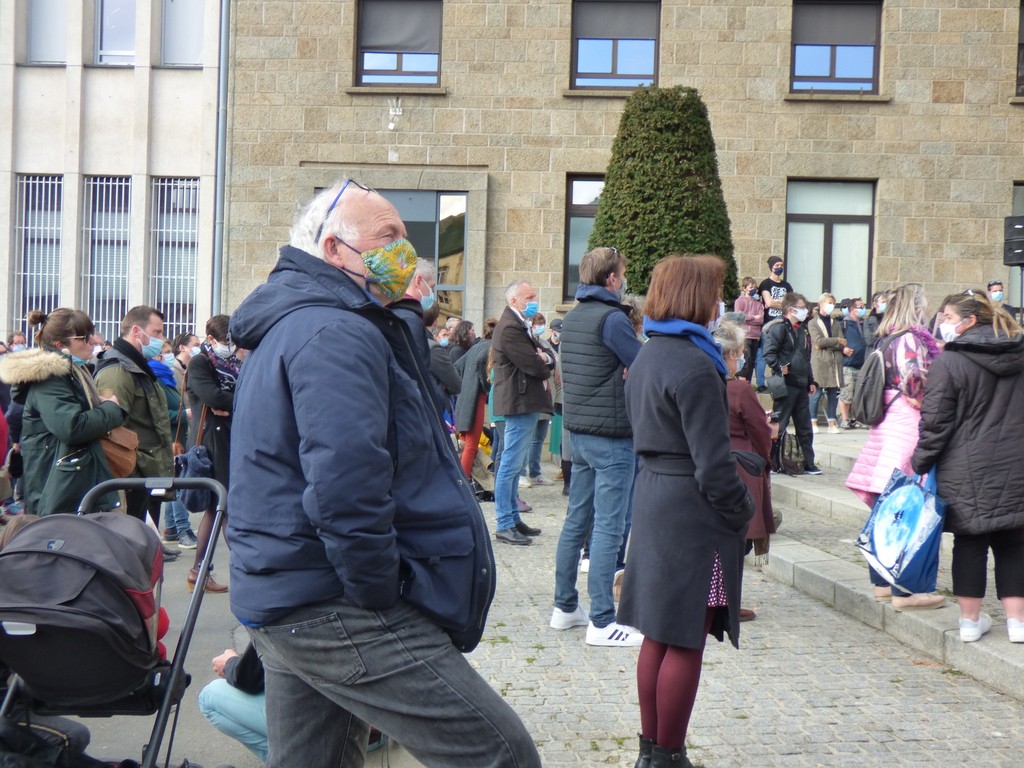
<point>889,445</point>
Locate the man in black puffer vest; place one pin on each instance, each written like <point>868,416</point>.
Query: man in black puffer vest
<point>598,344</point>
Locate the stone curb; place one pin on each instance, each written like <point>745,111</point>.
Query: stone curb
<point>844,586</point>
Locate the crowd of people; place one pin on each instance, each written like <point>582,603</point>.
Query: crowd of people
<point>361,561</point>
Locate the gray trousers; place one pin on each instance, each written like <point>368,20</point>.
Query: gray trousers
<point>333,667</point>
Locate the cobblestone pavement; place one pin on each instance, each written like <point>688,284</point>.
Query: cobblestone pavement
<point>809,686</point>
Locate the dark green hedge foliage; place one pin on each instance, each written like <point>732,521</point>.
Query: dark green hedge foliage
<point>662,193</point>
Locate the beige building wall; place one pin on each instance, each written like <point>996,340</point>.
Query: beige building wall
<point>79,119</point>
<point>943,139</point>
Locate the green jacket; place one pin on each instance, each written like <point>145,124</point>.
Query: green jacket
<point>60,430</point>
<point>144,399</point>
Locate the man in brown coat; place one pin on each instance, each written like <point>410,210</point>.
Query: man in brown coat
<point>521,372</point>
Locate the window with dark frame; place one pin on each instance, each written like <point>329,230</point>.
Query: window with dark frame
<point>1020,51</point>
<point>399,42</point>
<point>835,46</point>
<point>614,43</point>
<point>582,196</point>
<point>829,236</point>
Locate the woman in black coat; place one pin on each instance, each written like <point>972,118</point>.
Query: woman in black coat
<point>690,507</point>
<point>972,418</point>
<point>210,385</point>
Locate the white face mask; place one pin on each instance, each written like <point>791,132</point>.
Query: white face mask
<point>828,309</point>
<point>194,350</point>
<point>948,331</point>
<point>800,314</point>
<point>740,362</point>
<point>223,350</point>
<point>97,349</point>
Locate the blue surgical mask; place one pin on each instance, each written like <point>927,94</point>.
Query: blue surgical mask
<point>74,358</point>
<point>152,349</point>
<point>443,342</point>
<point>168,358</point>
<point>997,295</point>
<point>428,301</point>
<point>18,348</point>
<point>532,307</point>
<point>194,350</point>
<point>862,311</point>
<point>881,307</point>
<point>740,362</point>
<point>538,329</point>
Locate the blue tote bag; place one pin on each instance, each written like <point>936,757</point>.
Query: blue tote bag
<point>902,536</point>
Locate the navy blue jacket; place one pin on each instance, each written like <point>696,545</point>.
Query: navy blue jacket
<point>342,480</point>
<point>854,333</point>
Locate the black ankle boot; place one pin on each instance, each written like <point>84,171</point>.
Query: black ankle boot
<point>644,760</point>
<point>667,758</point>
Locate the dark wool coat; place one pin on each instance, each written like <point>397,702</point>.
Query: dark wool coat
<point>972,420</point>
<point>60,431</point>
<point>689,501</point>
<point>473,365</point>
<point>520,376</point>
<point>203,388</point>
<point>782,345</point>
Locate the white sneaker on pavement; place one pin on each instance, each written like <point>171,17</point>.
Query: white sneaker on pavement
<point>971,631</point>
<point>615,635</point>
<point>1015,629</point>
<point>568,619</point>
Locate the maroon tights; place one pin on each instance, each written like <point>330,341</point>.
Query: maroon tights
<point>667,677</point>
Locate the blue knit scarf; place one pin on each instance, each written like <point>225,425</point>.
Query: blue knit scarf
<point>698,334</point>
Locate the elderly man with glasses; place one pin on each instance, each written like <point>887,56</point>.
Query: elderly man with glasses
<point>360,561</point>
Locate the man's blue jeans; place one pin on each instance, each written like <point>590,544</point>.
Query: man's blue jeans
<point>240,715</point>
<point>540,434</point>
<point>176,517</point>
<point>599,492</point>
<point>759,366</point>
<point>516,442</point>
<point>331,667</point>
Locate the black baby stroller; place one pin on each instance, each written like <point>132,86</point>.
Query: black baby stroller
<point>79,606</point>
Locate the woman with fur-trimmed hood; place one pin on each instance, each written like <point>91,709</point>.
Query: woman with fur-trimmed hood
<point>64,414</point>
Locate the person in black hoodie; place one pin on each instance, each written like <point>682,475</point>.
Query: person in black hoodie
<point>972,418</point>
<point>787,349</point>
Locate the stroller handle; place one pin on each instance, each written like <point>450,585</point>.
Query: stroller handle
<point>152,484</point>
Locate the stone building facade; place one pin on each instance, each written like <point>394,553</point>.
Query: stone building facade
<point>938,144</point>
<point>869,143</point>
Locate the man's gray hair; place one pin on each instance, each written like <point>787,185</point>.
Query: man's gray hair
<point>513,287</point>
<point>313,214</point>
<point>425,268</point>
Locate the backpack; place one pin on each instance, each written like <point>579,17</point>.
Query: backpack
<point>869,406</point>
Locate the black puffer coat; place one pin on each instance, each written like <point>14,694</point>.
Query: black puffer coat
<point>972,422</point>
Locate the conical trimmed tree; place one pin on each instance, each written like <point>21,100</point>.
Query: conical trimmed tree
<point>662,193</point>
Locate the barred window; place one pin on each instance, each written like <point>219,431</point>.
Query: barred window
<point>174,248</point>
<point>37,246</point>
<point>105,247</point>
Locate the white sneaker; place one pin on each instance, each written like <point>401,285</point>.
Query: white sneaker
<point>568,619</point>
<point>584,565</point>
<point>1015,629</point>
<point>525,482</point>
<point>615,635</point>
<point>971,631</point>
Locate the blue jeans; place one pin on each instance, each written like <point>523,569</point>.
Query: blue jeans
<point>832,400</point>
<point>176,517</point>
<point>331,667</point>
<point>759,366</point>
<point>540,434</point>
<point>240,715</point>
<point>516,442</point>
<point>599,492</point>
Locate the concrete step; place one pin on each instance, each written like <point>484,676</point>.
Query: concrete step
<point>843,585</point>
